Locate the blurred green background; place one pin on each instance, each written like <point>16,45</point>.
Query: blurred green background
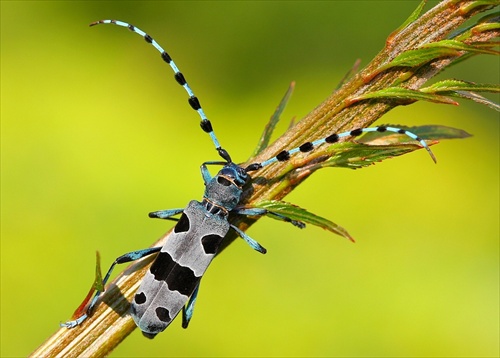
<point>96,133</point>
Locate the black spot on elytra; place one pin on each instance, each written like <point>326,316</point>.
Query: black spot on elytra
<point>163,314</point>
<point>177,277</point>
<point>183,280</point>
<point>140,298</point>
<point>162,266</point>
<point>211,243</point>
<point>183,224</point>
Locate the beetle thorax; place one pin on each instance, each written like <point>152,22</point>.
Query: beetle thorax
<point>226,187</point>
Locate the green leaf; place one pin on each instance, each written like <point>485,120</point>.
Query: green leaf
<point>358,155</point>
<point>273,121</point>
<point>98,285</point>
<point>297,213</point>
<point>486,23</point>
<point>463,89</point>
<point>414,58</point>
<point>427,132</point>
<point>434,50</point>
<point>349,73</point>
<point>458,85</point>
<point>490,26</point>
<point>478,98</point>
<point>374,147</point>
<point>458,45</point>
<point>405,94</point>
<point>414,15</point>
<point>479,3</point>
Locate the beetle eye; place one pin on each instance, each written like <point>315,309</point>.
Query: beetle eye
<point>223,181</point>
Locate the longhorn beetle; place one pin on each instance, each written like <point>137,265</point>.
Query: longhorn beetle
<point>172,282</point>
